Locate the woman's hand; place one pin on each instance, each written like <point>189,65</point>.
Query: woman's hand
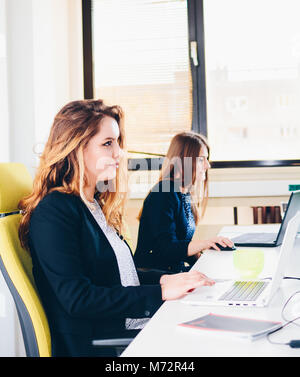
<point>197,246</point>
<point>223,241</point>
<point>177,285</point>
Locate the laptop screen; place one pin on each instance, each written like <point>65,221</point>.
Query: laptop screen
<point>292,208</point>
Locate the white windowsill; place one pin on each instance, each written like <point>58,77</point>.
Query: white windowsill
<point>220,189</point>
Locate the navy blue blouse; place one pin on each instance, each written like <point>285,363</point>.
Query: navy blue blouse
<point>167,226</point>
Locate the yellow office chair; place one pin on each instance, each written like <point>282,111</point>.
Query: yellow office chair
<point>16,264</point>
<point>16,267</point>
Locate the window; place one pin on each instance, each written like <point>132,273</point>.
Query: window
<point>252,59</point>
<point>229,69</point>
<point>141,62</point>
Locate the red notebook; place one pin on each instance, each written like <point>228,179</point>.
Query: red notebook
<point>242,327</point>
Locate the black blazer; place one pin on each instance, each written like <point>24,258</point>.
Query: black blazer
<point>77,276</point>
<point>162,237</point>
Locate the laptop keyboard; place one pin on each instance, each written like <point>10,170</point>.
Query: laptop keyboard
<point>244,291</point>
<point>255,237</point>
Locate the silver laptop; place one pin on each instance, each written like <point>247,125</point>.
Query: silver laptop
<point>271,239</point>
<point>255,293</point>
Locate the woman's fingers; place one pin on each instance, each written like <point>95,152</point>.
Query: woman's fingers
<point>199,283</point>
<point>197,278</point>
<point>196,274</point>
<point>177,285</point>
<point>225,242</point>
<point>221,241</point>
<point>200,275</point>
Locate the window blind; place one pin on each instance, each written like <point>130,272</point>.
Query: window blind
<point>141,62</point>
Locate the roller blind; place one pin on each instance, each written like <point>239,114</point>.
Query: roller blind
<point>141,62</point>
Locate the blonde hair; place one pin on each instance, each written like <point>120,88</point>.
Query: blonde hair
<point>61,165</point>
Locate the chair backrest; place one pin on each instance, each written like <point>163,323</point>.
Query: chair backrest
<point>16,263</point>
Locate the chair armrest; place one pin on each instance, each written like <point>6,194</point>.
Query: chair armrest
<point>117,342</point>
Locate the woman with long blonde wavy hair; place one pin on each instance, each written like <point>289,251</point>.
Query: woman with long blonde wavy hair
<point>61,164</point>
<point>72,225</point>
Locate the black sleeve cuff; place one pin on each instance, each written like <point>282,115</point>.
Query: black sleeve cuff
<point>150,276</point>
<point>153,300</point>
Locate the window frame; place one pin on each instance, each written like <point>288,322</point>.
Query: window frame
<point>199,117</point>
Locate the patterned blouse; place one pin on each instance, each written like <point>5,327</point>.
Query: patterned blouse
<point>191,226</point>
<point>128,274</point>
<point>190,220</point>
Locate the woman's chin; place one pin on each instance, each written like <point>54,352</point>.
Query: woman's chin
<point>108,175</point>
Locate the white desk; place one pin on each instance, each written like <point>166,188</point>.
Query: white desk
<point>161,337</point>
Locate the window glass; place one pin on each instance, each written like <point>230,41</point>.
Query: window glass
<point>141,62</point>
<point>252,58</point>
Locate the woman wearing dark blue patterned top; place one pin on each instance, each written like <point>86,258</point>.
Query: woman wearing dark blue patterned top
<point>171,210</point>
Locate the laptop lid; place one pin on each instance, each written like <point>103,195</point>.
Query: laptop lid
<point>292,208</point>
<point>211,295</point>
<point>265,239</point>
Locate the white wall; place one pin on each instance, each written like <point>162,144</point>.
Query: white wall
<point>44,69</point>
<point>41,70</point>
<point>4,141</point>
<point>8,329</point>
